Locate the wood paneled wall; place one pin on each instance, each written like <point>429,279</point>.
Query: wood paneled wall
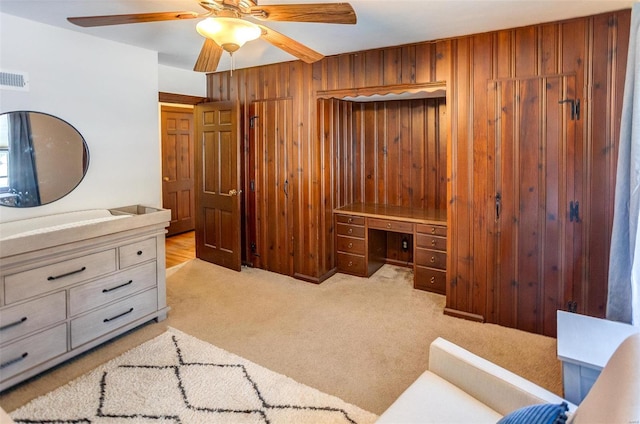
<point>593,49</point>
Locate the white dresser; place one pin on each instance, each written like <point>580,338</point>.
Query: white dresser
<point>67,288</point>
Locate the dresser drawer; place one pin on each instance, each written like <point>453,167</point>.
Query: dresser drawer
<point>92,295</point>
<point>137,253</point>
<point>55,276</point>
<point>431,242</point>
<point>350,230</point>
<point>391,225</point>
<point>351,245</point>
<point>350,219</point>
<point>436,230</point>
<point>431,258</point>
<point>17,321</point>
<point>430,280</point>
<point>352,264</point>
<point>97,323</point>
<point>27,353</point>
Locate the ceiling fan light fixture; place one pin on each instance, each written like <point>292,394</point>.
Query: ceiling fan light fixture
<point>228,33</point>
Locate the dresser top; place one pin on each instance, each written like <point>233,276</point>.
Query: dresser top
<point>398,213</point>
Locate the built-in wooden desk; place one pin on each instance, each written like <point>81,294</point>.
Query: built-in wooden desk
<point>361,241</point>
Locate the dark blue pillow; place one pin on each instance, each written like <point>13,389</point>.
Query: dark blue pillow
<point>544,413</point>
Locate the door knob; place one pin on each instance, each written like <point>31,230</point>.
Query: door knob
<point>234,192</point>
<point>165,179</point>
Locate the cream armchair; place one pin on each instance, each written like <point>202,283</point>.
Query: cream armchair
<point>461,387</point>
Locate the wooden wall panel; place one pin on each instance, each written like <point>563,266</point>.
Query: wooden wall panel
<point>396,151</point>
<point>593,49</point>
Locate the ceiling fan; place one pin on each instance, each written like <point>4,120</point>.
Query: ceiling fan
<point>225,28</point>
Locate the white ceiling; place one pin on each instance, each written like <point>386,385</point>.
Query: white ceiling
<point>381,23</point>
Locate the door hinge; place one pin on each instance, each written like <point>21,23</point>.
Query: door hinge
<point>574,211</point>
<point>498,205</point>
<point>572,306</point>
<point>252,185</point>
<point>575,108</point>
<point>252,120</point>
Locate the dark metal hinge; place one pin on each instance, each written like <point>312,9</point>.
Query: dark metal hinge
<point>572,306</point>
<point>574,211</point>
<point>252,120</point>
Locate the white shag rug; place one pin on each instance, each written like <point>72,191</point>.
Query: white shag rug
<point>176,378</point>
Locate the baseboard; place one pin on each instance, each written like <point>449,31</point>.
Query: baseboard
<point>315,280</point>
<point>464,315</point>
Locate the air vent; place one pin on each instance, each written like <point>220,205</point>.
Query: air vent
<point>14,81</point>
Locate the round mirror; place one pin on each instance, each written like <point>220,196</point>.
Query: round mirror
<point>42,158</point>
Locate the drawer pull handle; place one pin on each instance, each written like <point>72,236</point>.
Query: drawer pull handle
<point>13,324</point>
<point>433,280</point>
<point>433,259</point>
<point>433,230</point>
<point>433,242</point>
<point>350,220</point>
<point>388,225</point>
<point>14,360</point>
<point>350,230</point>
<point>118,316</point>
<point>139,252</point>
<point>350,264</point>
<point>51,278</point>
<point>117,287</point>
<point>350,245</point>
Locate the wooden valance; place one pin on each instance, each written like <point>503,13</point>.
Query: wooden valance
<point>388,92</point>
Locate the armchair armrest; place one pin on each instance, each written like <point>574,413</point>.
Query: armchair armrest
<point>496,387</point>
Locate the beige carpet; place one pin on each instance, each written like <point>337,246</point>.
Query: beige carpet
<point>176,378</point>
<point>362,340</point>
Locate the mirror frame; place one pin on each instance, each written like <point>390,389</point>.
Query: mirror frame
<point>7,197</point>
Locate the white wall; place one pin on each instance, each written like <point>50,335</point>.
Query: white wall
<point>108,91</point>
<point>181,81</point>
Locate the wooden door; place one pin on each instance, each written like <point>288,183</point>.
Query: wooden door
<point>539,182</point>
<point>272,180</point>
<point>178,193</point>
<point>218,184</point>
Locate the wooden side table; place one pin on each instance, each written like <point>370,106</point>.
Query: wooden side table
<point>585,344</point>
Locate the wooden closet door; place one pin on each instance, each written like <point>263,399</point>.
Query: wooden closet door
<point>270,151</point>
<point>539,181</point>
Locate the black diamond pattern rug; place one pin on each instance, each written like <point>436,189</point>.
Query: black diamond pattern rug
<point>176,378</point>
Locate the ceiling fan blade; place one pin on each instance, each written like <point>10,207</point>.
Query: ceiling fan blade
<point>209,57</point>
<point>332,13</point>
<point>134,18</point>
<point>290,45</point>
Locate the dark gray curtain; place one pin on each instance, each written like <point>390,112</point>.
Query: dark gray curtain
<point>623,302</point>
<point>23,176</point>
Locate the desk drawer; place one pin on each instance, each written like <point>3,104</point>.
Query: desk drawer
<point>352,264</point>
<point>436,230</point>
<point>430,279</point>
<point>431,258</point>
<point>27,353</point>
<point>391,225</point>
<point>350,230</point>
<point>351,245</point>
<point>431,242</point>
<point>350,219</point>
<point>55,276</point>
<point>19,320</point>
